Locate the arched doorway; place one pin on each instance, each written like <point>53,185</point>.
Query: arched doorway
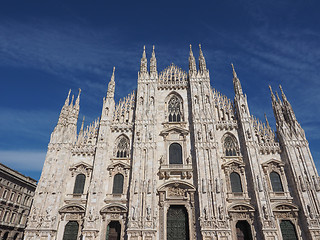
<point>113,231</point>
<point>177,223</point>
<point>288,230</point>
<point>71,231</point>
<point>243,230</point>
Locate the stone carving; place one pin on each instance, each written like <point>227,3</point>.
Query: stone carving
<point>176,191</point>
<point>148,212</point>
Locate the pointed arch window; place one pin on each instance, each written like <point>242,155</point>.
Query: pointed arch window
<point>236,186</point>
<point>175,153</point>
<point>174,109</point>
<point>230,146</point>
<point>79,184</point>
<point>71,231</point>
<point>276,182</point>
<point>118,184</point>
<point>122,148</point>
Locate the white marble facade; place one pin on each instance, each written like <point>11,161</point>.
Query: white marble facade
<point>177,146</point>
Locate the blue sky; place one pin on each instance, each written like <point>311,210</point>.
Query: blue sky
<point>46,48</point>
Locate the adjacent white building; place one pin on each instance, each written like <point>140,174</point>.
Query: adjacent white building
<point>176,159</point>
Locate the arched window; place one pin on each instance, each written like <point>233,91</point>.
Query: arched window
<point>71,231</point>
<point>79,184</point>
<point>288,230</point>
<point>276,182</point>
<point>230,146</point>
<point>21,217</point>
<point>174,109</point>
<point>118,184</point>
<point>122,148</point>
<point>235,180</point>
<point>175,153</point>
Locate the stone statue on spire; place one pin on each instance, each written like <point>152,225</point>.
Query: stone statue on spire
<point>111,85</point>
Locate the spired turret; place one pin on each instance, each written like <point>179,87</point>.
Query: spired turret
<point>236,83</point>
<point>202,61</point>
<point>302,174</point>
<point>66,128</point>
<point>108,101</point>
<point>153,64</point>
<point>143,64</point>
<point>192,63</point>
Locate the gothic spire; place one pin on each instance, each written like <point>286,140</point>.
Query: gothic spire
<point>71,103</point>
<point>76,105</point>
<point>153,62</point>
<point>272,96</point>
<point>236,82</point>
<point>267,122</point>
<point>279,100</point>
<point>81,129</point>
<point>66,103</point>
<point>284,98</point>
<point>192,62</point>
<point>144,64</point>
<point>234,71</point>
<point>287,106</point>
<point>111,85</point>
<point>202,61</point>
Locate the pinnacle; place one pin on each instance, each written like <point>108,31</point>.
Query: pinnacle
<point>144,52</point>
<point>191,53</point>
<point>234,71</point>
<point>68,98</point>
<point>112,76</point>
<point>201,54</point>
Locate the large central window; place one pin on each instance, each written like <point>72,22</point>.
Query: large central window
<point>122,147</point>
<point>174,109</point>
<point>175,153</point>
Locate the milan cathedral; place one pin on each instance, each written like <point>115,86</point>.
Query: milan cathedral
<point>176,159</point>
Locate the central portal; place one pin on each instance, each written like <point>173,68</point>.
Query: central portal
<point>113,231</point>
<point>177,223</point>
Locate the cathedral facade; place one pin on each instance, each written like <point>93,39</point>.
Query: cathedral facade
<point>176,159</point>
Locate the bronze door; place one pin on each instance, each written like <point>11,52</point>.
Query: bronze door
<point>177,223</point>
<point>288,230</point>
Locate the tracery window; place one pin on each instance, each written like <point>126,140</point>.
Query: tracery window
<point>235,180</point>
<point>175,153</point>
<point>118,184</point>
<point>79,184</point>
<point>230,146</point>
<point>276,182</point>
<point>71,231</point>
<point>122,149</point>
<point>174,109</point>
